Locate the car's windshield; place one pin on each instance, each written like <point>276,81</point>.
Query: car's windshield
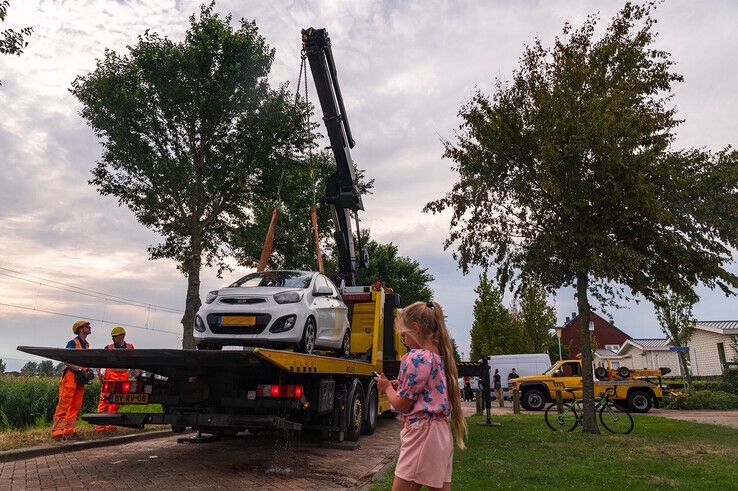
<point>276,279</point>
<point>550,369</point>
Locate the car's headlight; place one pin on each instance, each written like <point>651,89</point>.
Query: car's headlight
<point>199,326</point>
<point>211,296</point>
<point>288,297</point>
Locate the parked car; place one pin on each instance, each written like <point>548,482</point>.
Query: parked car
<point>298,309</point>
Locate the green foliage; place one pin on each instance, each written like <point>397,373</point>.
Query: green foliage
<point>536,319</point>
<point>31,401</point>
<point>492,332</point>
<point>702,399</point>
<point>29,369</point>
<point>193,135</point>
<point>674,314</point>
<point>2,366</point>
<point>457,356</point>
<point>12,42</point>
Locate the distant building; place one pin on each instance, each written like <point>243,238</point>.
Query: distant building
<point>712,345</point>
<point>606,335</point>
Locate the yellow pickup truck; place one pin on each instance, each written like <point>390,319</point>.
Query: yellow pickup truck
<point>637,391</point>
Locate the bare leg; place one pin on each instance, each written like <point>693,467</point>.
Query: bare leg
<point>400,484</point>
<point>446,487</point>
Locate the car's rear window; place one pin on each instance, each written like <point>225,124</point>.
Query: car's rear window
<point>276,279</point>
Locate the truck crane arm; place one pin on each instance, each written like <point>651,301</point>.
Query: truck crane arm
<point>341,193</point>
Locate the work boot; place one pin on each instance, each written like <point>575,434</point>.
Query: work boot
<point>58,438</point>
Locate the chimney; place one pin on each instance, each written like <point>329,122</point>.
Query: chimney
<point>567,320</point>
<point>573,315</point>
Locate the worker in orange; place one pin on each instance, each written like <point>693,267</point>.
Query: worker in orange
<point>113,375</point>
<point>72,387</point>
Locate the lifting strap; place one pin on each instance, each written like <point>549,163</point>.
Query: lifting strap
<point>314,219</point>
<point>266,250</point>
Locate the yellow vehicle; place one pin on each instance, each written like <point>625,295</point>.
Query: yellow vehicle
<point>636,391</point>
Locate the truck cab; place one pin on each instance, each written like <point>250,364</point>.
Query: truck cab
<point>638,392</point>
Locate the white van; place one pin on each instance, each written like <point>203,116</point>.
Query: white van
<point>524,364</point>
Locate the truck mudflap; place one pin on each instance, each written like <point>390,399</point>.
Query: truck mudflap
<point>193,420</point>
<point>169,362</point>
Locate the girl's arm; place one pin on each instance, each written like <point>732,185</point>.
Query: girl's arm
<point>402,404</point>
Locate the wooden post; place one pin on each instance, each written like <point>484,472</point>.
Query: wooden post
<point>559,401</point>
<point>516,401</point>
<point>479,399</point>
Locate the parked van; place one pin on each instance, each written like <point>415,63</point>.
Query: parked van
<point>524,364</point>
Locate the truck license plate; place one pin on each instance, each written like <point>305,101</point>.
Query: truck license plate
<point>238,320</point>
<point>129,398</point>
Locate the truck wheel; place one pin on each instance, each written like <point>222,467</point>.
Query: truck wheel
<point>307,343</point>
<point>624,372</point>
<point>639,401</point>
<point>345,350</point>
<point>354,413</point>
<point>372,410</point>
<point>534,400</point>
<point>601,373</point>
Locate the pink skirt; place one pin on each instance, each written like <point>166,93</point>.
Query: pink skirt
<point>426,453</point>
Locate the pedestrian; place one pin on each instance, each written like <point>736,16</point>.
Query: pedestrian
<point>425,394</point>
<point>468,395</point>
<point>497,385</point>
<point>112,375</point>
<point>72,388</point>
<point>512,375</point>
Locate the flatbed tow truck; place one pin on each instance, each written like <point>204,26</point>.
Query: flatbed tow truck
<point>225,392</point>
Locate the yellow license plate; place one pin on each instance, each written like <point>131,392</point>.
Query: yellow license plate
<point>129,398</point>
<point>238,320</point>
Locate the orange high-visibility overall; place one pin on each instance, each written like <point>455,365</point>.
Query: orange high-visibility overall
<point>111,375</point>
<point>70,400</point>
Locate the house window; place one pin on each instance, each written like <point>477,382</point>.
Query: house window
<point>613,347</point>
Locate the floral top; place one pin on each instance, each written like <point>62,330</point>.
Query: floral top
<point>423,379</point>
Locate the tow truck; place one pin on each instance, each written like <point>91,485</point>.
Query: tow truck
<point>225,392</point>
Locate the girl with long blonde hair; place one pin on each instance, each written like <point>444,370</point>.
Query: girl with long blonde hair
<point>426,394</point>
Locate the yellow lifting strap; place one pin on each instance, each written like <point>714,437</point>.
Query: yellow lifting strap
<point>266,251</point>
<point>318,254</point>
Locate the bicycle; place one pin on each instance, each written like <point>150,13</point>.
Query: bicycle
<point>615,419</point>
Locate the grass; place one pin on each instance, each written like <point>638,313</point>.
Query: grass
<point>659,454</point>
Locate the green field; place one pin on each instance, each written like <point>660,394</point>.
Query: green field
<point>659,454</point>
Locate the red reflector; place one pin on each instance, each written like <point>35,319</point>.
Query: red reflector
<point>106,387</point>
<point>275,391</point>
<point>126,387</point>
<point>298,391</point>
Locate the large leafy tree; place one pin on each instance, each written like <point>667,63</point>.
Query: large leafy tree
<point>568,177</point>
<point>192,135</point>
<point>12,42</point>
<point>674,314</point>
<point>29,369</point>
<point>493,330</point>
<point>537,320</point>
<point>2,366</point>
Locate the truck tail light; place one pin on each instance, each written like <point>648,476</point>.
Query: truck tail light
<point>123,387</point>
<point>279,391</point>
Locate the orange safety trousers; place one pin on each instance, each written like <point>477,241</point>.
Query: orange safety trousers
<point>104,405</point>
<point>69,405</point>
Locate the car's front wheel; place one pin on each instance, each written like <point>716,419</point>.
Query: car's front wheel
<point>307,343</point>
<point>534,400</point>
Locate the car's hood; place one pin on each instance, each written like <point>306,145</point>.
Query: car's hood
<point>254,291</point>
<point>529,378</point>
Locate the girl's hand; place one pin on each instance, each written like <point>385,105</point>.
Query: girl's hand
<point>382,383</point>
<point>395,384</point>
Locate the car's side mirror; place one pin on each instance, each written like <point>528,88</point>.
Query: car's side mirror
<point>558,373</point>
<point>323,291</point>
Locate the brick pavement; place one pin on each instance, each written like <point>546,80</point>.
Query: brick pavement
<point>245,462</point>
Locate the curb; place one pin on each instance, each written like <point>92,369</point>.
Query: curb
<point>44,450</point>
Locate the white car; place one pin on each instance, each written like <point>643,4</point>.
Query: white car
<point>298,309</point>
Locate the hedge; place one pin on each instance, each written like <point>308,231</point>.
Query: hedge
<point>702,399</point>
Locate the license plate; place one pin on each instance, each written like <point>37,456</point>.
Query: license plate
<point>129,398</point>
<point>238,320</point>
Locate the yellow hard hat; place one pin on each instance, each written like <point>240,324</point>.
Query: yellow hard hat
<point>117,331</point>
<point>78,325</point>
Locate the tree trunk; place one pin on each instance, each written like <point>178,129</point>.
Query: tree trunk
<point>589,421</point>
<point>192,303</point>
<point>685,369</point>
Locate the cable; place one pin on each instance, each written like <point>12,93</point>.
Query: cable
<point>74,316</point>
<point>107,295</point>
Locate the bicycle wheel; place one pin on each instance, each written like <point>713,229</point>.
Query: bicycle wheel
<point>567,420</point>
<point>616,420</point>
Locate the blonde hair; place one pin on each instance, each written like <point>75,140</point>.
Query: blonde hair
<point>429,316</point>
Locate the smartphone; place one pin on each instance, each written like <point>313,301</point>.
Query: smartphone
<point>376,374</point>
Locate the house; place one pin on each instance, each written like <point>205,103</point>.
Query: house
<point>606,335</point>
<point>649,353</point>
<point>713,344</point>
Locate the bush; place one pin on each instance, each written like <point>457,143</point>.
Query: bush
<point>31,401</point>
<point>702,399</point>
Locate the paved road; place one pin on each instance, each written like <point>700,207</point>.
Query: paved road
<point>723,418</point>
<point>245,462</point>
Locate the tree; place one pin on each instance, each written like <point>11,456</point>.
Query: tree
<point>29,369</point>
<point>457,356</point>
<point>59,368</point>
<point>537,320</point>
<point>2,366</point>
<point>674,314</point>
<point>193,135</point>
<point>12,42</point>
<point>492,332</point>
<point>45,368</point>
<point>567,177</point>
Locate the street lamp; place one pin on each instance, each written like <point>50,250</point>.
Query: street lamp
<point>559,331</point>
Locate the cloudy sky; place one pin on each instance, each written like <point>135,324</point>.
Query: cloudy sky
<point>405,70</point>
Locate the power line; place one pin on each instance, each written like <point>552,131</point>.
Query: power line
<point>75,316</point>
<point>107,296</point>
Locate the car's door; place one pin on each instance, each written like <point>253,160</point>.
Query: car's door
<point>324,310</point>
<point>569,375</point>
<point>340,311</point>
